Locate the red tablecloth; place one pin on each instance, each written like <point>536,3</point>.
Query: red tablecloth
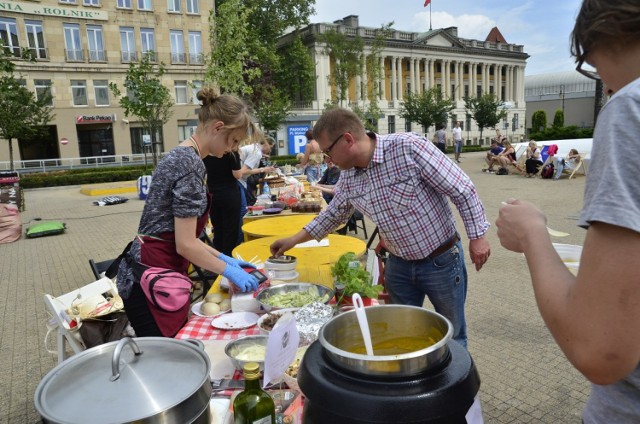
<point>200,328</point>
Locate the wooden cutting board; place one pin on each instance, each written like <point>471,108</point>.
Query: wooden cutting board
<point>221,366</point>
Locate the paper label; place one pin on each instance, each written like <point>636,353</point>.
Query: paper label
<point>474,414</point>
<point>281,348</point>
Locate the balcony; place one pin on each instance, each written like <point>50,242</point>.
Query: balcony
<point>97,56</point>
<point>128,56</point>
<point>74,55</point>
<point>14,51</point>
<point>151,55</point>
<point>178,57</point>
<point>196,58</point>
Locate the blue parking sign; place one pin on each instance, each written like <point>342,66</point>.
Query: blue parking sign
<point>297,139</point>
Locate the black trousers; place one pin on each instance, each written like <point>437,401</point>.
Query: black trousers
<point>225,217</point>
<point>139,314</point>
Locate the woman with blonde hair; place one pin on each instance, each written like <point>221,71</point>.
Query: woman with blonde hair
<point>176,211</point>
<point>533,162</point>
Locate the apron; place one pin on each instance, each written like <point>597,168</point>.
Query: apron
<point>160,251</point>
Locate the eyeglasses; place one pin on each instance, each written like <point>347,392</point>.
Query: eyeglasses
<point>327,151</point>
<point>587,73</point>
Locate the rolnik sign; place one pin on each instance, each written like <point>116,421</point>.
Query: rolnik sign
<point>45,10</point>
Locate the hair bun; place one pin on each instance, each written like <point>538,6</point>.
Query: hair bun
<point>207,96</point>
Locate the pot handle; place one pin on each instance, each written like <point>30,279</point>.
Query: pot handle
<point>196,342</point>
<point>115,359</point>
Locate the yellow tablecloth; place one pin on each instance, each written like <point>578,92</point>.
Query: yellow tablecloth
<point>282,226</point>
<point>314,263</point>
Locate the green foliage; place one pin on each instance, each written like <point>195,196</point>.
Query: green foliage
<point>80,176</point>
<point>22,115</point>
<point>486,110</point>
<point>427,108</point>
<point>273,108</point>
<point>346,53</point>
<point>538,120</point>
<point>146,98</point>
<point>558,119</point>
<point>298,73</point>
<point>350,273</point>
<point>561,133</point>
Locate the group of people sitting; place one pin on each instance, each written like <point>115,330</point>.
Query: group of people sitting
<point>504,154</point>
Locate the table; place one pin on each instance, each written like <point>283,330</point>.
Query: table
<point>200,328</point>
<point>282,226</point>
<point>286,212</point>
<point>314,263</point>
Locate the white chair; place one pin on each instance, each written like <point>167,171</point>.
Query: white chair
<point>58,306</point>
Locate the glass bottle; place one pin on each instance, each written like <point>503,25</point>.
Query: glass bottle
<point>253,405</point>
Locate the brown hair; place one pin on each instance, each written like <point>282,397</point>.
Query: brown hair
<point>338,120</point>
<point>226,108</point>
<point>611,23</point>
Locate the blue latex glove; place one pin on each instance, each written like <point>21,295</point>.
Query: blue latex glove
<point>242,279</point>
<point>235,262</point>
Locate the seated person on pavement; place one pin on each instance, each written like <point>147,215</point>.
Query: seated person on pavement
<point>494,151</point>
<point>570,162</point>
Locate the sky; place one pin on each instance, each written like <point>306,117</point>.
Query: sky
<point>543,27</point>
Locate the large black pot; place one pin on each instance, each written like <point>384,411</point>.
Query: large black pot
<point>441,395</point>
<point>144,380</point>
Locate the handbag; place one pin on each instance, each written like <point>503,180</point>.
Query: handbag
<point>166,289</point>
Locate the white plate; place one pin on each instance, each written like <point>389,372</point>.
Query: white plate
<point>235,321</point>
<point>196,310</point>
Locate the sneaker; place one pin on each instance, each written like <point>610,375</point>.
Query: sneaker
<point>458,160</point>
<point>492,171</point>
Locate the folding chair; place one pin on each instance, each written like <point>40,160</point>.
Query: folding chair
<point>57,306</point>
<point>99,268</point>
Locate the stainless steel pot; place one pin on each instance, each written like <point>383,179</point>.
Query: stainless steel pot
<point>339,335</point>
<point>143,380</point>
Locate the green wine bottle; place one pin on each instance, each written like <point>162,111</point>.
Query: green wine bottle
<point>253,405</point>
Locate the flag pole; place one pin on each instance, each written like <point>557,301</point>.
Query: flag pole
<point>430,16</point>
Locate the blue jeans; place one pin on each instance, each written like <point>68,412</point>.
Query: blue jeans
<point>458,146</point>
<point>443,279</point>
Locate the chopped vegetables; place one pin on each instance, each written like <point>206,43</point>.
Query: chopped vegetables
<point>296,299</point>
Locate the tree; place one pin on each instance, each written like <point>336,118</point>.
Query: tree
<point>486,110</point>
<point>147,98</point>
<point>427,108</point>
<point>22,115</point>
<point>347,60</point>
<point>558,119</point>
<point>298,71</point>
<point>538,121</point>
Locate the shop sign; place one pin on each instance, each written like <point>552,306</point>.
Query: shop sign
<point>94,119</point>
<point>46,10</point>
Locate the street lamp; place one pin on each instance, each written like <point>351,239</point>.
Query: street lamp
<point>561,94</point>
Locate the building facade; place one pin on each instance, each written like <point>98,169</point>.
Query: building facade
<point>569,91</point>
<point>81,46</point>
<point>415,62</point>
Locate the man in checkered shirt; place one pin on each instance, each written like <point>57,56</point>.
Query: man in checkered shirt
<point>403,183</point>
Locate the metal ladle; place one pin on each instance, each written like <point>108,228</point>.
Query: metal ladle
<point>362,321</point>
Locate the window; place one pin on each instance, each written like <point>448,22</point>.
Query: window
<point>127,45</point>
<point>177,47</point>
<point>148,40</point>
<point>96,44</point>
<point>391,120</point>
<point>91,2</point>
<point>186,131</point>
<point>72,43</point>
<point>35,38</point>
<point>195,48</point>
<point>181,92</point>
<point>79,92</point>
<point>195,87</point>
<point>124,4</point>
<point>101,89</point>
<point>407,126</point>
<point>9,35</point>
<point>43,89</point>
<point>144,5</point>
<point>193,6</point>
<point>174,6</point>
<point>67,1</point>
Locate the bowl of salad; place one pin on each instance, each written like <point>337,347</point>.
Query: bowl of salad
<point>293,295</point>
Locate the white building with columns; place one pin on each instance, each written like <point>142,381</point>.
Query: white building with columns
<point>415,62</point>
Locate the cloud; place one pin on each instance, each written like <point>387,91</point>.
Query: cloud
<point>475,27</point>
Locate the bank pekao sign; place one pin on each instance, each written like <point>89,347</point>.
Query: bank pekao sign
<point>63,12</point>
<point>94,119</point>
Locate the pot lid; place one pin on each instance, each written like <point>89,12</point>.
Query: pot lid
<point>165,373</point>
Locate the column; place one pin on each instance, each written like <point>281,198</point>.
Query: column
<point>498,82</point>
<point>473,67</point>
<point>509,83</point>
<point>364,83</point>
<point>383,77</point>
<point>323,87</point>
<point>400,88</point>
<point>412,73</point>
<point>432,73</point>
<point>394,91</point>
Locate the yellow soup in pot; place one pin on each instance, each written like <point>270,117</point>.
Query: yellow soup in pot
<point>395,346</point>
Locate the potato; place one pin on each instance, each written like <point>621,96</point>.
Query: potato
<point>225,305</point>
<point>210,308</point>
<point>213,298</point>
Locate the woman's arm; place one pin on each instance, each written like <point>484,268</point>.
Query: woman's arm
<point>307,152</point>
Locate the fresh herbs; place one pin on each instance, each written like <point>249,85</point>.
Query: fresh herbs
<point>349,273</point>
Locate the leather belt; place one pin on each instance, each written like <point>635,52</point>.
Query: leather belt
<point>444,246</point>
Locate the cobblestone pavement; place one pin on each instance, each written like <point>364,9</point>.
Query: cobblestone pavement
<point>525,377</point>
